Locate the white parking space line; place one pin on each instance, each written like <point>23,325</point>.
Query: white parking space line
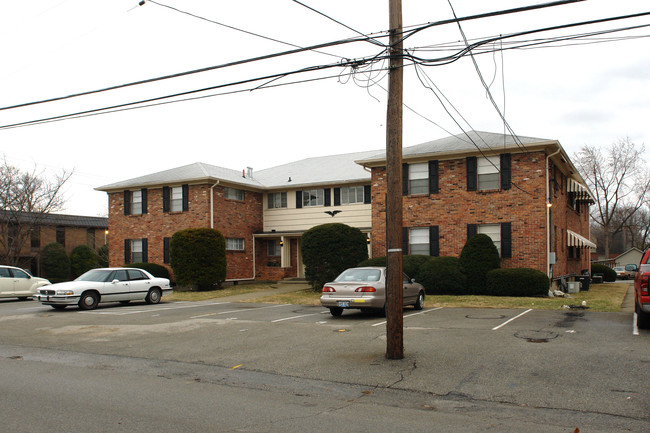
<point>510,320</point>
<point>238,311</point>
<point>293,317</point>
<point>412,314</point>
<point>125,310</point>
<point>635,329</point>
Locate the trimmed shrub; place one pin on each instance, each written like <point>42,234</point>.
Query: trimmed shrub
<point>153,268</point>
<point>442,276</point>
<point>375,261</point>
<point>82,259</point>
<point>517,282</point>
<point>411,265</point>
<point>478,257</point>
<point>102,255</point>
<point>198,258</point>
<point>55,262</point>
<point>329,249</point>
<point>609,274</point>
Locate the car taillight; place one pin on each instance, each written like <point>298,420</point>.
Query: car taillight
<point>645,284</point>
<point>366,289</point>
<point>327,289</point>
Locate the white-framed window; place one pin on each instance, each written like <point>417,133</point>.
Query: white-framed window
<point>274,248</point>
<point>314,197</point>
<point>277,200</point>
<point>235,244</point>
<point>352,194</point>
<point>419,240</point>
<point>493,231</point>
<point>136,202</point>
<point>176,199</point>
<point>488,172</point>
<point>235,194</point>
<point>136,251</point>
<point>418,178</point>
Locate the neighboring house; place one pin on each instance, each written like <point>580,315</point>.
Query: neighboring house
<point>43,229</point>
<point>630,257</point>
<point>451,191</point>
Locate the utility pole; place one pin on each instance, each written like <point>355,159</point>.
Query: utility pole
<point>394,294</point>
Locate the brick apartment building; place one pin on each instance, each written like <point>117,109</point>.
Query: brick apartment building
<point>523,192</point>
<point>68,230</point>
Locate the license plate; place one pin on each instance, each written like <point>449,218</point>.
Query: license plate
<point>343,304</point>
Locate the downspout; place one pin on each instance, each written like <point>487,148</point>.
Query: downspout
<point>212,204</point>
<point>548,215</point>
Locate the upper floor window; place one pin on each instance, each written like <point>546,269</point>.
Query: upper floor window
<point>352,194</point>
<point>277,200</point>
<point>488,173</point>
<point>90,238</point>
<point>136,202</point>
<point>418,178</point>
<point>60,235</point>
<point>176,199</point>
<point>235,194</point>
<point>235,244</point>
<point>314,197</point>
<point>35,237</point>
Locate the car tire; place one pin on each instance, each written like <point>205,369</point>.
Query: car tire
<point>336,311</point>
<point>419,303</point>
<point>153,297</point>
<point>88,301</point>
<point>642,318</point>
<point>58,307</point>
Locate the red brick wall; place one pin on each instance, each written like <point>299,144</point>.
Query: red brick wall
<point>523,205</point>
<point>232,218</point>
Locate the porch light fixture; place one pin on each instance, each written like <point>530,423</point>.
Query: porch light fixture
<point>549,204</point>
<point>281,243</point>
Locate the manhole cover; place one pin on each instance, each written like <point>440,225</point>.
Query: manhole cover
<point>536,336</point>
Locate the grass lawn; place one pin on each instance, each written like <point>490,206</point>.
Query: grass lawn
<point>600,297</point>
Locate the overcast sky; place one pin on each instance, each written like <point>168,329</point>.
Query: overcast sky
<point>593,90</point>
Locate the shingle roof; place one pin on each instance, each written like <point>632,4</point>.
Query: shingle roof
<point>60,219</point>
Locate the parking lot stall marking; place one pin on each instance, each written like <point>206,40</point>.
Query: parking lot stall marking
<point>635,329</point>
<point>237,311</point>
<point>412,314</point>
<point>121,311</point>
<point>511,319</point>
<point>293,317</point>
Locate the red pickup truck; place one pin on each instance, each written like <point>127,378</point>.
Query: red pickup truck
<point>642,292</point>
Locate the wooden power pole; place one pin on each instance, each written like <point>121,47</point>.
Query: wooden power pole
<point>394,294</point>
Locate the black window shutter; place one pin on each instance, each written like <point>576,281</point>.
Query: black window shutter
<point>471,173</point>
<point>367,198</point>
<point>337,196</point>
<point>127,251</point>
<point>186,197</point>
<point>165,250</point>
<point>405,241</point>
<point>433,177</point>
<point>506,240</point>
<point>506,170</point>
<point>298,199</point>
<point>144,200</point>
<point>434,241</point>
<point>145,250</point>
<point>405,179</point>
<point>127,202</point>
<point>165,199</point>
<point>327,197</point>
<point>472,230</point>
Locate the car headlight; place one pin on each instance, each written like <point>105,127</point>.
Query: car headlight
<point>64,292</point>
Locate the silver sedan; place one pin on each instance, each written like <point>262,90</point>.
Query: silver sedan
<point>365,289</point>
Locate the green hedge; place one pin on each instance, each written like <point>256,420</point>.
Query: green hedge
<point>82,259</point>
<point>609,274</point>
<point>516,282</point>
<point>55,264</point>
<point>411,265</point>
<point>198,258</point>
<point>478,257</point>
<point>153,268</point>
<point>442,276</point>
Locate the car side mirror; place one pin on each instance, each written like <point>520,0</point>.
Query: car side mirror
<point>412,280</point>
<point>115,281</point>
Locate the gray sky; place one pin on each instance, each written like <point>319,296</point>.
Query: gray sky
<point>593,90</point>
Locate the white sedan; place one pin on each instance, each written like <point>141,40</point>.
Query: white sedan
<point>105,285</point>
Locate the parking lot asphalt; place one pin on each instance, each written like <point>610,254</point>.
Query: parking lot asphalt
<point>586,363</point>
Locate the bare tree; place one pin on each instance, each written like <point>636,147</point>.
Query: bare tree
<point>637,227</point>
<point>619,180</point>
<point>25,197</point>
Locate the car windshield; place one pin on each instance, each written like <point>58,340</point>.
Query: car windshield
<point>630,267</point>
<point>98,275</point>
<point>359,275</point>
<point>619,268</point>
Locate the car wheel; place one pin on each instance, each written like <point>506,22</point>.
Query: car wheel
<point>153,297</point>
<point>336,311</point>
<point>58,307</point>
<point>88,301</point>
<point>642,319</point>
<point>419,303</point>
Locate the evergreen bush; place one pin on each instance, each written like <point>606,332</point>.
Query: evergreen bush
<point>609,274</point>
<point>517,282</point>
<point>102,254</point>
<point>478,257</point>
<point>82,259</point>
<point>442,276</point>
<point>153,268</point>
<point>55,263</point>
<point>198,258</point>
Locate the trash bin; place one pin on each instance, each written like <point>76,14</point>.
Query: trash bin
<point>584,280</point>
<point>597,278</point>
